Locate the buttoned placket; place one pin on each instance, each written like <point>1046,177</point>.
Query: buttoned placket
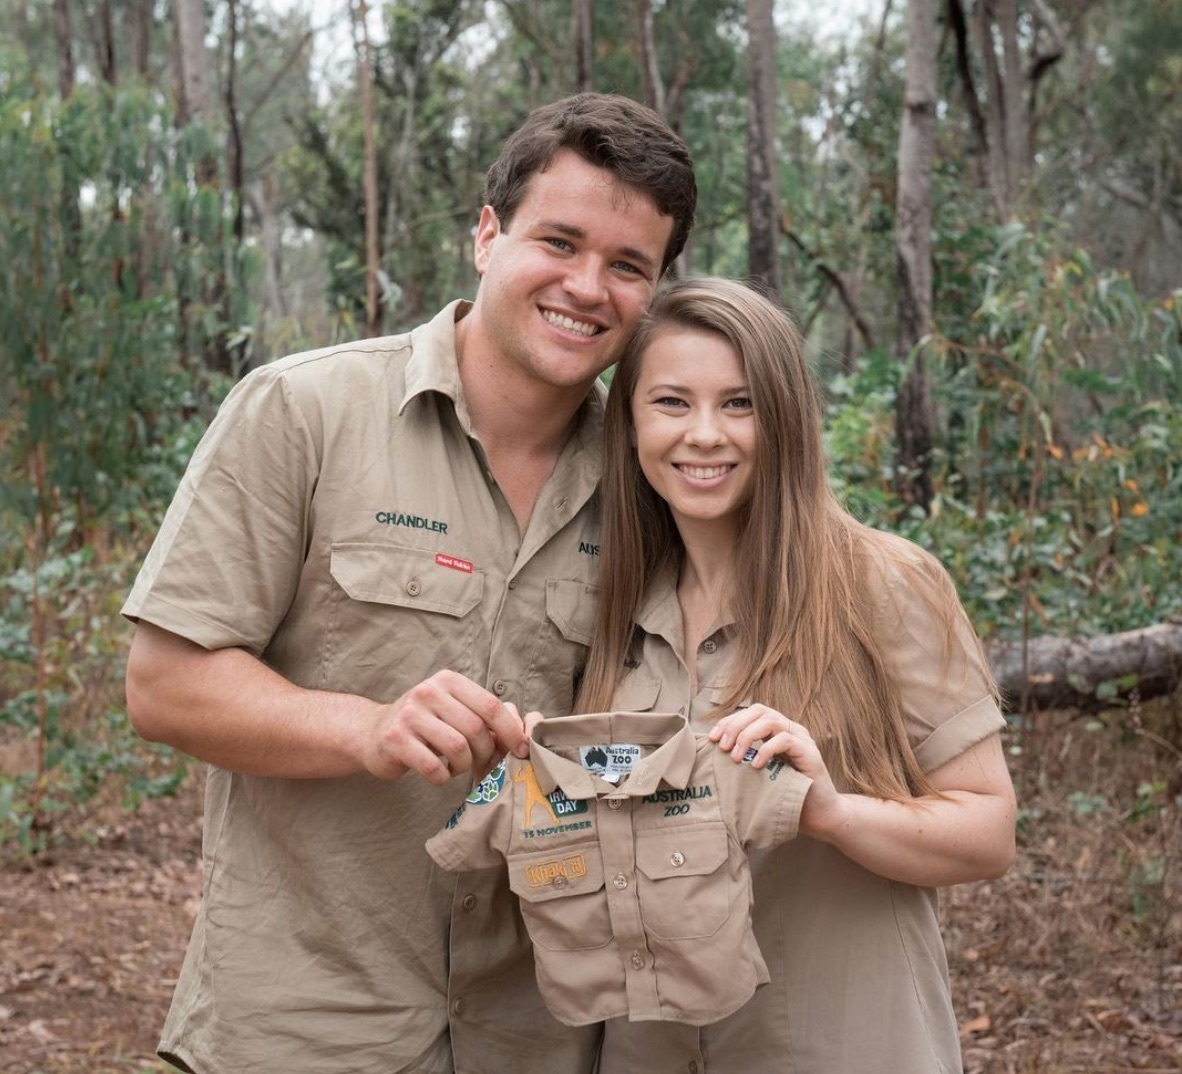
<point>561,498</point>
<point>472,906</point>
<point>614,818</point>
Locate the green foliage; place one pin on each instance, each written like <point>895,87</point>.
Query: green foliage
<point>1059,506</point>
<point>61,670</point>
<point>91,192</point>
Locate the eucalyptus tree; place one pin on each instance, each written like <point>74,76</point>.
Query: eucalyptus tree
<point>763,196</point>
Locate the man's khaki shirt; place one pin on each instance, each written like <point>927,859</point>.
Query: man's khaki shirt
<point>859,977</point>
<point>636,891</point>
<point>339,521</point>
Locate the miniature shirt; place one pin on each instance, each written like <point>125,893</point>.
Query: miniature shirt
<point>339,520</point>
<point>625,836</point>
<point>859,977</point>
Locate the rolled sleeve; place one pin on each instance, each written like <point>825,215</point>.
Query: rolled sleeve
<point>946,690</point>
<point>951,738</point>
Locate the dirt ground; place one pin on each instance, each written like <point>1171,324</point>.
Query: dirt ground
<point>1070,964</point>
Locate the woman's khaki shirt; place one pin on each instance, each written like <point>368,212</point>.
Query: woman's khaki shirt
<point>859,976</point>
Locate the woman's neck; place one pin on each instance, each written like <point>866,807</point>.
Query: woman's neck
<point>704,585</point>
<point>708,566</point>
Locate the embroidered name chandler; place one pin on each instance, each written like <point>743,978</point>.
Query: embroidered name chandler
<point>414,522</point>
<point>674,794</point>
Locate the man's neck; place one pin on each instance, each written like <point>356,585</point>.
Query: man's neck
<point>521,423</point>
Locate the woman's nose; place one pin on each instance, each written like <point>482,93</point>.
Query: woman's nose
<point>705,429</point>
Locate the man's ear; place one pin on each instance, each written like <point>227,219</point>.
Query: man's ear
<point>487,230</point>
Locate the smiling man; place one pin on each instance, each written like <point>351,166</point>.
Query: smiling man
<point>380,553</point>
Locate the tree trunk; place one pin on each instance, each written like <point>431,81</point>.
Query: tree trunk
<point>763,199</point>
<point>262,203</point>
<point>913,215</point>
<point>105,44</point>
<point>194,105</point>
<point>585,44</point>
<point>654,84</point>
<point>194,64</point>
<point>373,310</point>
<point>65,47</point>
<point>1011,91</point>
<point>236,152</point>
<point>1089,674</point>
<point>143,38</point>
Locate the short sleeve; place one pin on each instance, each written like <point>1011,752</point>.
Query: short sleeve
<point>226,563</point>
<point>477,834</point>
<point>934,658</point>
<point>762,804</point>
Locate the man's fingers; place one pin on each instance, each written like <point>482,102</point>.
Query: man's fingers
<point>501,720</point>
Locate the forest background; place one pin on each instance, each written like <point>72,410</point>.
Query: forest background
<point>973,208</point>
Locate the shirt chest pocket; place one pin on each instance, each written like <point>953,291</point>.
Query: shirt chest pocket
<point>684,881</point>
<point>559,650</point>
<point>401,615</point>
<point>563,901</point>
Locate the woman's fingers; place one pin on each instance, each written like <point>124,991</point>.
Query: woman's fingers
<point>739,730</point>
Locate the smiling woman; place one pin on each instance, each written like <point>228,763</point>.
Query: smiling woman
<point>695,427</point>
<point>737,591</point>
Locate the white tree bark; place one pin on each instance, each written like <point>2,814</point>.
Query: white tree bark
<point>913,247</point>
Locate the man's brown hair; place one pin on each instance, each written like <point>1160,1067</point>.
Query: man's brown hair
<point>611,132</point>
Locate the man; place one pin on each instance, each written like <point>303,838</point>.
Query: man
<point>380,552</point>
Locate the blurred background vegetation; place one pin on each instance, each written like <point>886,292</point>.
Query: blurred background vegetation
<point>182,198</point>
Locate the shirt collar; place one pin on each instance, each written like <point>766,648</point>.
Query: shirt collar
<point>671,762</point>
<point>660,612</point>
<point>434,367</point>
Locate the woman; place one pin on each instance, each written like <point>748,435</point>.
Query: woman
<point>737,591</point>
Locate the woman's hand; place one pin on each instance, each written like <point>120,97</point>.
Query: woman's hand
<point>964,833</point>
<point>771,734</point>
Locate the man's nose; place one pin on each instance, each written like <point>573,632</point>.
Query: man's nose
<point>585,281</point>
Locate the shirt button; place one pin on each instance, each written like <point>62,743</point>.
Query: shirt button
<point>499,687</point>
<point>512,583</point>
<point>693,1066</point>
<point>469,903</point>
<point>413,587</point>
<point>677,858</point>
<point>560,881</point>
<point>458,1006</point>
<point>638,960</point>
<point>620,881</point>
<point>709,645</point>
<point>614,803</point>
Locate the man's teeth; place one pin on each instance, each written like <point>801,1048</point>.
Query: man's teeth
<point>704,473</point>
<point>561,321</point>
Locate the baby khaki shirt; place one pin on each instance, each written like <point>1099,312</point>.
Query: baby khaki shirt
<point>625,838</point>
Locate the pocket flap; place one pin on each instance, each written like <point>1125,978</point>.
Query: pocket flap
<point>670,852</point>
<point>556,874</point>
<point>636,694</point>
<point>570,605</point>
<point>406,577</point>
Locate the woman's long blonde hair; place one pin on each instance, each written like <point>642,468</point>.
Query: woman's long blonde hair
<point>805,640</point>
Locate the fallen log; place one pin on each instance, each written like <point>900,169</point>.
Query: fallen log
<point>1088,673</point>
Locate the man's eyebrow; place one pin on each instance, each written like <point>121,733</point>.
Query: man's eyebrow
<point>630,252</point>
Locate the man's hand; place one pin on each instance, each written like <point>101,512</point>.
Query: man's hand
<point>227,707</point>
<point>445,725</point>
